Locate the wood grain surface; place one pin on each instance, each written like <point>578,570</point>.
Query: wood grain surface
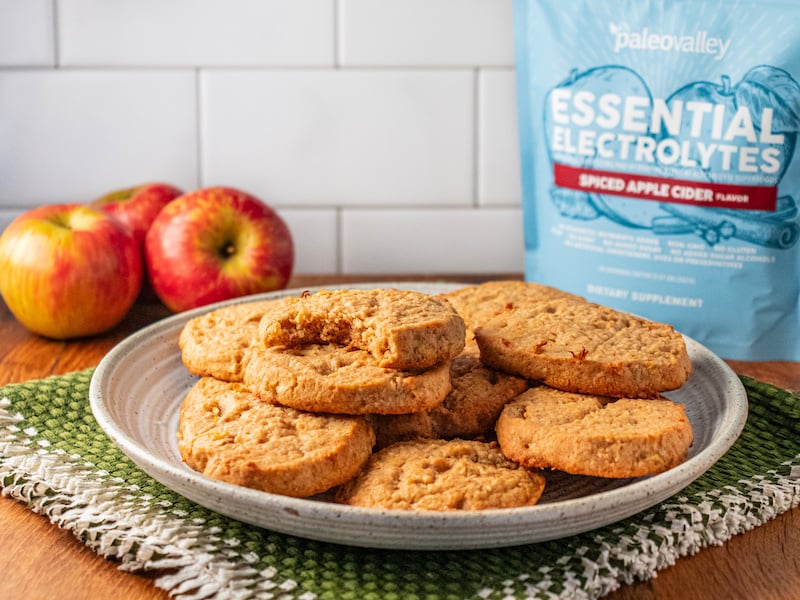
<point>38,561</point>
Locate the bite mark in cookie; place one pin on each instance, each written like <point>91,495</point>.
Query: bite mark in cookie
<point>403,329</point>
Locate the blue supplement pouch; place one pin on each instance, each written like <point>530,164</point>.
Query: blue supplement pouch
<point>660,169</point>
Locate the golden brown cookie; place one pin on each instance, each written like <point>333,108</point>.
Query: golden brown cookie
<point>478,303</point>
<point>585,347</point>
<point>442,475</point>
<point>594,435</point>
<point>402,329</point>
<point>469,410</point>
<point>336,379</point>
<point>228,434</point>
<point>216,343</point>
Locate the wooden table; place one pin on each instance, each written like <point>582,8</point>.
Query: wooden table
<point>40,562</point>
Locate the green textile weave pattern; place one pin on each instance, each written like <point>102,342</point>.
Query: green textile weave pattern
<point>56,459</point>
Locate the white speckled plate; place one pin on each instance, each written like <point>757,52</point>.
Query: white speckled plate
<point>137,389</point>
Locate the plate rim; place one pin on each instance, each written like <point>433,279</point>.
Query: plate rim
<point>636,493</point>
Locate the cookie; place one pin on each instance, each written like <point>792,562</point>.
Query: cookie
<point>228,434</point>
<point>441,475</point>
<point>336,379</point>
<point>402,329</point>
<point>478,303</point>
<point>216,343</point>
<point>594,435</point>
<point>584,347</point>
<point>468,411</point>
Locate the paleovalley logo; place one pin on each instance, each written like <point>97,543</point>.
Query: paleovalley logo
<point>644,39</point>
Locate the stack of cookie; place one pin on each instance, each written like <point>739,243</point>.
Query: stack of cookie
<point>295,394</point>
<point>596,408</point>
<point>391,398</point>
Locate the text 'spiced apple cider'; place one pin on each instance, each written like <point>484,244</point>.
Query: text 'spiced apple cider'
<point>660,166</point>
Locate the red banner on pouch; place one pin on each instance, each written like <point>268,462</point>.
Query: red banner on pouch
<point>663,189</point>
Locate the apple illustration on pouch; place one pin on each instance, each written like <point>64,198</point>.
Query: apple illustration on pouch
<point>727,125</point>
<point>609,85</point>
<point>730,119</point>
<point>567,105</point>
<point>747,128</point>
<point>765,87</point>
<point>611,82</point>
<point>695,102</point>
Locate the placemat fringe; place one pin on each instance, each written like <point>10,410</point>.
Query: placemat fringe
<point>118,524</point>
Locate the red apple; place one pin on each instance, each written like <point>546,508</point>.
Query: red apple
<point>137,206</point>
<point>214,244</point>
<point>69,270</point>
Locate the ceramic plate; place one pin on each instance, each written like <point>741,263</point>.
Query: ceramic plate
<point>137,389</point>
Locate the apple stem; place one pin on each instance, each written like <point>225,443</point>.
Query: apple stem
<point>61,221</point>
<point>573,75</point>
<point>726,84</point>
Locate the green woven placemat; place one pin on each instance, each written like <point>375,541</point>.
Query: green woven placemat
<point>55,459</point>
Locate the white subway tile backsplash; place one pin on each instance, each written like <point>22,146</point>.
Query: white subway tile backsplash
<point>498,154</point>
<point>315,239</point>
<point>384,131</point>
<point>73,135</point>
<point>26,33</point>
<point>344,137</point>
<point>432,241</point>
<point>426,33</point>
<point>196,32</point>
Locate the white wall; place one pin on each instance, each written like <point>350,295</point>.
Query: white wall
<point>384,131</point>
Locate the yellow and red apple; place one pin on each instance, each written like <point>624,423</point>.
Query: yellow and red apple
<point>69,270</point>
<point>137,206</point>
<point>214,244</point>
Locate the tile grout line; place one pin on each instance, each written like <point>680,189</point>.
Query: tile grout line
<point>200,132</point>
<point>336,34</point>
<point>56,41</point>
<point>339,237</point>
<point>476,136</point>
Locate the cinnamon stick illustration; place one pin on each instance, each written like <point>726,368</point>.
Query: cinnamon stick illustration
<point>765,231</point>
